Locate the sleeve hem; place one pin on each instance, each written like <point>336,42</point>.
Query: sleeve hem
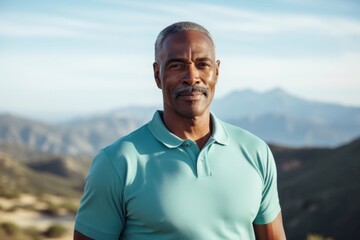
<point>268,218</point>
<point>92,233</point>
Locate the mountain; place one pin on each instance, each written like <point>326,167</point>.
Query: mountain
<point>319,190</point>
<point>249,103</point>
<point>77,137</point>
<point>275,116</point>
<point>281,118</point>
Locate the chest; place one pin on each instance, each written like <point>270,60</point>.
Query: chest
<point>167,195</point>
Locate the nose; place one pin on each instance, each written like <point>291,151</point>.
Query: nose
<point>192,76</point>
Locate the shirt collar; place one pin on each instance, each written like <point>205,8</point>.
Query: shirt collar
<point>161,133</point>
<point>220,135</point>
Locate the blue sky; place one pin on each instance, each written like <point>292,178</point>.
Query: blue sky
<point>67,58</point>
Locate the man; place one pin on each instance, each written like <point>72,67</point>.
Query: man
<point>185,174</point>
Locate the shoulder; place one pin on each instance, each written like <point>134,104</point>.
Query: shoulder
<point>254,150</point>
<point>244,138</point>
<point>126,154</point>
<point>130,143</point>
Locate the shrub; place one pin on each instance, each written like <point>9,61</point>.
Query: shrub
<point>9,194</point>
<point>10,228</point>
<point>33,233</point>
<point>55,231</point>
<point>317,237</point>
<point>52,209</point>
<point>2,233</point>
<point>70,206</point>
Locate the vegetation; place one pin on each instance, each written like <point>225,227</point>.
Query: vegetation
<point>70,206</point>
<point>317,237</point>
<point>55,231</point>
<point>16,178</point>
<point>10,228</point>
<point>321,192</point>
<point>10,231</point>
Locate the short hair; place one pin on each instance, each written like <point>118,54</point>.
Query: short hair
<point>175,28</point>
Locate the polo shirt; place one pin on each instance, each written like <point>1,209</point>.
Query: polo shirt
<point>151,184</point>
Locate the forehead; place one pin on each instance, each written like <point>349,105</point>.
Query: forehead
<point>187,42</point>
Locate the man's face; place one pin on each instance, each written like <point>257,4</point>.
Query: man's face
<point>187,73</point>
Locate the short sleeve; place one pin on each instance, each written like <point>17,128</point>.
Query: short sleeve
<point>100,215</point>
<point>270,206</point>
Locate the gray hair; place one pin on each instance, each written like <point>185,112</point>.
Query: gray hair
<point>175,28</point>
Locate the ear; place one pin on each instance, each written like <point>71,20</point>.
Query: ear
<point>156,69</point>
<point>217,69</point>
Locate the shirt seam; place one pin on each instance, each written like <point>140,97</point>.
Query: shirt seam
<point>122,182</point>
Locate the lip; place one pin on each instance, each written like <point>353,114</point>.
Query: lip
<point>191,96</point>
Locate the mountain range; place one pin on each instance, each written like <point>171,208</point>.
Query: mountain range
<point>275,116</point>
<point>281,118</point>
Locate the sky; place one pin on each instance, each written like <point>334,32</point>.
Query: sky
<point>65,58</point>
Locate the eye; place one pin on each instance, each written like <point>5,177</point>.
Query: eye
<point>203,65</point>
<point>176,66</point>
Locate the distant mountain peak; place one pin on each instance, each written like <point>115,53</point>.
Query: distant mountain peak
<point>277,90</point>
<point>253,93</point>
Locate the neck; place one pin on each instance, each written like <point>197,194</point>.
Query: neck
<point>196,128</point>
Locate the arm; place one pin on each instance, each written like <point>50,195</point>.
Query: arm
<point>100,215</point>
<point>270,231</point>
<point>80,236</point>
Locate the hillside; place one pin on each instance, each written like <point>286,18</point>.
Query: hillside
<point>275,116</point>
<point>78,137</point>
<point>16,178</point>
<point>25,170</point>
<point>320,190</point>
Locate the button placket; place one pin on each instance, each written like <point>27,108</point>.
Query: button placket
<point>199,158</point>
<point>191,152</point>
<point>202,164</point>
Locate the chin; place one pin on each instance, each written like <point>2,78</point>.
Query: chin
<point>194,112</point>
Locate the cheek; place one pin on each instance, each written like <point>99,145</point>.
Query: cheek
<point>212,80</point>
<point>167,90</point>
<point>210,76</point>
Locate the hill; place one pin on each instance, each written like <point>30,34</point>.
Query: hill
<point>16,178</point>
<point>275,116</point>
<point>77,137</point>
<point>23,170</point>
<point>320,190</point>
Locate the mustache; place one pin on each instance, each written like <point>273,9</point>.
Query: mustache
<point>189,89</point>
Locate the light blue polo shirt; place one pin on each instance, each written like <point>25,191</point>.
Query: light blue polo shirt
<point>151,184</point>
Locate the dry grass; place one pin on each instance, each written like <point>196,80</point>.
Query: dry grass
<point>37,217</point>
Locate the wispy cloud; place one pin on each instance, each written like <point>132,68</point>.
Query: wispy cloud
<point>220,18</point>
<point>268,22</point>
<point>105,49</point>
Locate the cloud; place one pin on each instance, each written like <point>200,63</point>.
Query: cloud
<point>118,18</point>
<point>234,20</point>
<point>112,60</point>
<point>37,25</point>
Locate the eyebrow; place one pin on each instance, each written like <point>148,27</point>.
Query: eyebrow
<point>183,60</point>
<point>171,60</point>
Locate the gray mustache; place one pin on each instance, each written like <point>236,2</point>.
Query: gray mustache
<point>189,89</point>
